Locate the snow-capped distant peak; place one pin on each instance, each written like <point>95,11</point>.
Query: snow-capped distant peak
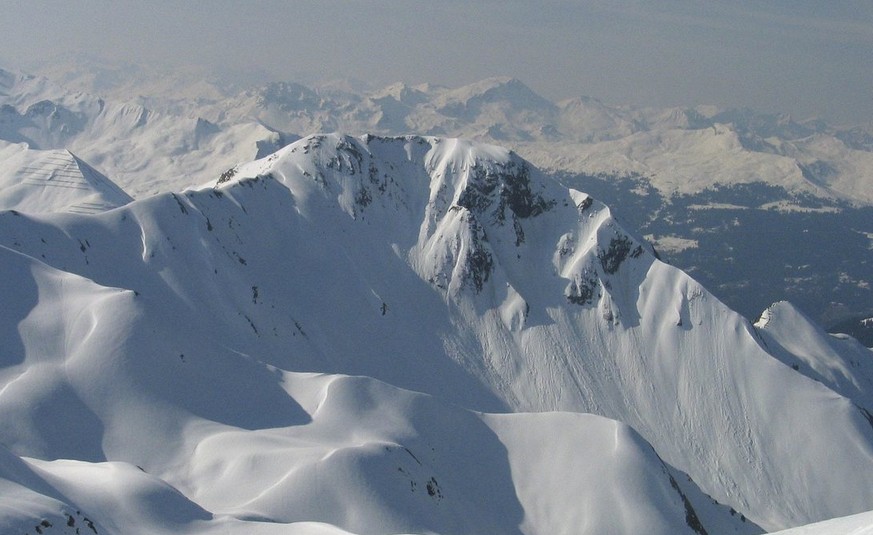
<point>467,101</point>
<point>287,94</point>
<point>402,93</point>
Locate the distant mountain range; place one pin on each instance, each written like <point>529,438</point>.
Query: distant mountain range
<point>681,150</point>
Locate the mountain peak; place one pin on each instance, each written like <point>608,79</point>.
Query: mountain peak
<point>509,91</point>
<point>474,206</point>
<point>40,181</point>
<point>402,93</point>
<point>289,95</point>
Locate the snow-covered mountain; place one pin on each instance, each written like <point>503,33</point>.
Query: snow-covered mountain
<point>679,150</point>
<point>410,334</point>
<point>679,175</point>
<point>53,181</point>
<point>144,151</point>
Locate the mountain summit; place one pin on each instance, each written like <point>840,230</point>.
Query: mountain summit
<point>54,181</point>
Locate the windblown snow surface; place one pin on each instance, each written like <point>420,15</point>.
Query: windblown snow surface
<point>402,335</point>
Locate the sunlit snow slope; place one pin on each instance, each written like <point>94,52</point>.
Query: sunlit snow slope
<point>53,181</point>
<point>860,524</point>
<point>388,335</point>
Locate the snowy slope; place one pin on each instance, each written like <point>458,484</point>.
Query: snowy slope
<point>131,438</point>
<point>860,524</point>
<point>53,181</point>
<point>838,361</point>
<point>180,334</point>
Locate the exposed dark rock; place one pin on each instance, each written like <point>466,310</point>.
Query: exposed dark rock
<point>227,175</point>
<point>581,290</point>
<point>509,187</point>
<point>690,515</point>
<point>615,254</point>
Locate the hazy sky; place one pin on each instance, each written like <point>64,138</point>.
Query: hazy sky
<point>805,57</point>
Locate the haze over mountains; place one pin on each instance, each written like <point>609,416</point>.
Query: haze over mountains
<point>364,334</point>
<point>813,156</point>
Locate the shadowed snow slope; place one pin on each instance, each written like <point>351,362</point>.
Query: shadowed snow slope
<point>256,349</point>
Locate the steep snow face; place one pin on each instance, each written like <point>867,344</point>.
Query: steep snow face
<point>53,181</point>
<point>838,361</point>
<point>435,265</point>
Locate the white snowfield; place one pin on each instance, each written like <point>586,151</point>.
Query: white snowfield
<point>402,335</point>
